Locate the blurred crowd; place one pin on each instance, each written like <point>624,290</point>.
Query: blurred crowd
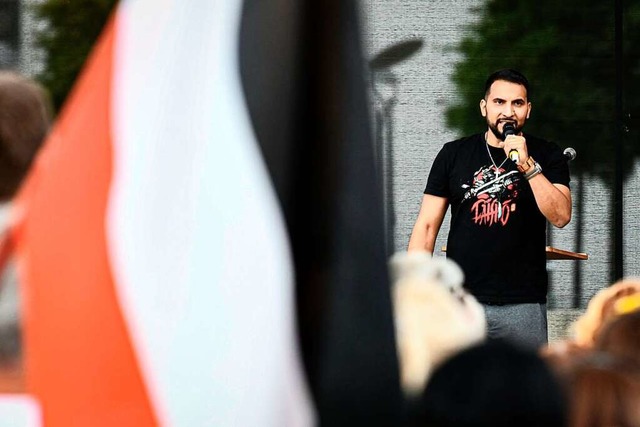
<point>453,376</point>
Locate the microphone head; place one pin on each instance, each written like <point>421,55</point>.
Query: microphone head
<point>570,153</point>
<point>508,129</point>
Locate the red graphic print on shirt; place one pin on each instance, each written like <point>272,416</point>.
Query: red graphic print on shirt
<point>494,191</point>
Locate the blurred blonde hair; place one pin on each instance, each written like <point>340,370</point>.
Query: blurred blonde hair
<point>620,337</point>
<point>601,309</point>
<point>434,316</point>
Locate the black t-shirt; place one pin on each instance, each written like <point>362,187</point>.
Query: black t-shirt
<point>497,233</point>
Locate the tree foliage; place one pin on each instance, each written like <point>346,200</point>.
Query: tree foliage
<point>567,50</point>
<point>72,27</point>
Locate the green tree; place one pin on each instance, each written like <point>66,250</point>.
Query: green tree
<point>567,50</point>
<point>72,27</point>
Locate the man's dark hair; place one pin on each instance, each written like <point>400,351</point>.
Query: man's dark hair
<point>508,75</point>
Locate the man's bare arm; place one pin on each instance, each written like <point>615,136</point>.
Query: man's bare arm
<point>553,200</point>
<point>425,231</point>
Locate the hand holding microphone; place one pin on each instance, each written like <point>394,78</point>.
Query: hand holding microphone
<point>507,130</point>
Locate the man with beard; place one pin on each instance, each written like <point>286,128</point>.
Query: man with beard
<point>502,190</point>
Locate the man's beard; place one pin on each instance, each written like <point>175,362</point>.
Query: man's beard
<point>500,135</point>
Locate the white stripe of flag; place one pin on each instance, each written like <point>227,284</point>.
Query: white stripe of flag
<point>198,246</point>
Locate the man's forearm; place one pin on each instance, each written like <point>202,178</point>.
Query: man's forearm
<point>427,226</point>
<point>423,238</point>
<point>554,203</point>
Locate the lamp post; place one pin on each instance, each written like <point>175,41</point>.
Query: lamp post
<point>385,88</point>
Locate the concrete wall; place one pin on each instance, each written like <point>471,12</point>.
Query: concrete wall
<point>31,59</point>
<point>17,37</point>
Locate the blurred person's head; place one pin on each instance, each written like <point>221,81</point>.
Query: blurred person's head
<point>603,391</point>
<point>25,116</point>
<point>621,337</point>
<point>601,308</point>
<point>496,384</point>
<point>434,316</point>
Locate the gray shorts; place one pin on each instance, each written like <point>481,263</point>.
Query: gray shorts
<point>524,324</point>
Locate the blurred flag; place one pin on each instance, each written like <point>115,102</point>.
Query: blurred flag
<point>303,74</point>
<point>166,233</point>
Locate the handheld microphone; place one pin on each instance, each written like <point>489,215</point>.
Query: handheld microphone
<point>569,153</point>
<point>510,129</point>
